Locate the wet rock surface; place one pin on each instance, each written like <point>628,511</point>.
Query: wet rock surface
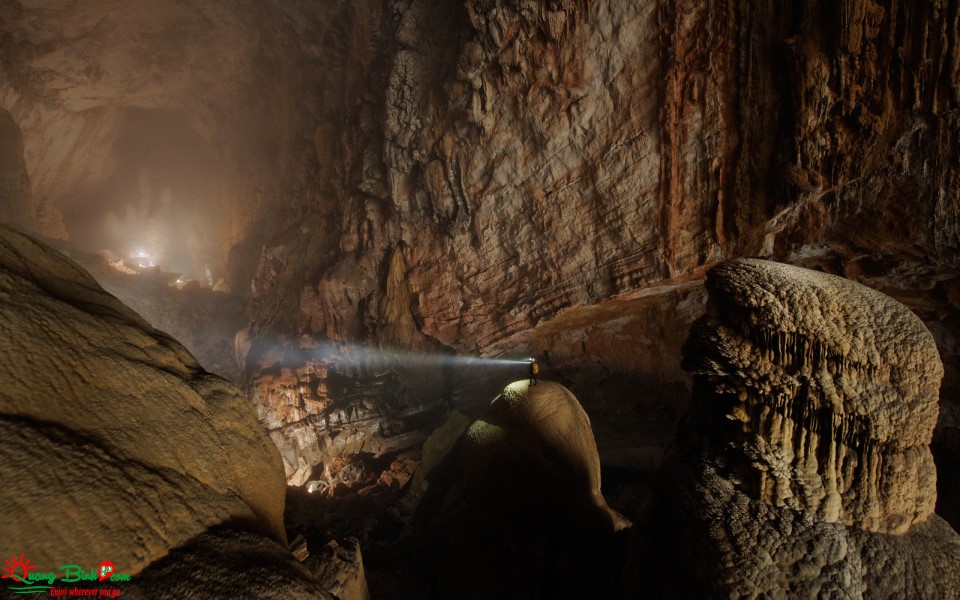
<point>803,467</point>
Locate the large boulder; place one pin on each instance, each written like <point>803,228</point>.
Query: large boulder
<point>804,467</point>
<point>116,445</point>
<point>515,509</point>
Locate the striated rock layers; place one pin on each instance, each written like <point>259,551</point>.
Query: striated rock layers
<point>515,510</point>
<point>512,160</point>
<point>116,444</point>
<point>805,468</point>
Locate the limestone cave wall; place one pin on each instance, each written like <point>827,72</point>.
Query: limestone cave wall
<point>515,160</point>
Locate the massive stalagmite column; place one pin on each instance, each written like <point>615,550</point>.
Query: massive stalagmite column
<point>833,389</point>
<point>804,465</point>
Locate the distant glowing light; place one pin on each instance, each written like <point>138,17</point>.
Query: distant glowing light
<point>141,259</point>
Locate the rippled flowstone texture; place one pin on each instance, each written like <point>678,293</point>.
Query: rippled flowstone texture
<point>117,446</point>
<point>804,466</point>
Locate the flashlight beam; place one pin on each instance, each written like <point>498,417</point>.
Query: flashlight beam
<point>350,355</point>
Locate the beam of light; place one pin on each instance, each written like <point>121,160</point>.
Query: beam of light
<point>347,355</point>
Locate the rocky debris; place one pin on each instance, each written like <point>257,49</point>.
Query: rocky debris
<point>203,320</point>
<point>398,474</point>
<point>517,503</point>
<point>118,446</point>
<point>339,569</point>
<point>321,405</point>
<point>362,504</point>
<point>803,467</point>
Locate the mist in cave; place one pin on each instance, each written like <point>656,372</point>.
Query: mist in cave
<point>155,204</point>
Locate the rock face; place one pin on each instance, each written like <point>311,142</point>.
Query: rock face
<point>326,405</point>
<point>804,469</point>
<point>116,444</point>
<point>435,449</point>
<point>517,497</point>
<point>511,160</point>
<point>179,153</point>
<point>533,158</point>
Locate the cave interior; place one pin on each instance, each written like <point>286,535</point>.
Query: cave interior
<point>370,216</point>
